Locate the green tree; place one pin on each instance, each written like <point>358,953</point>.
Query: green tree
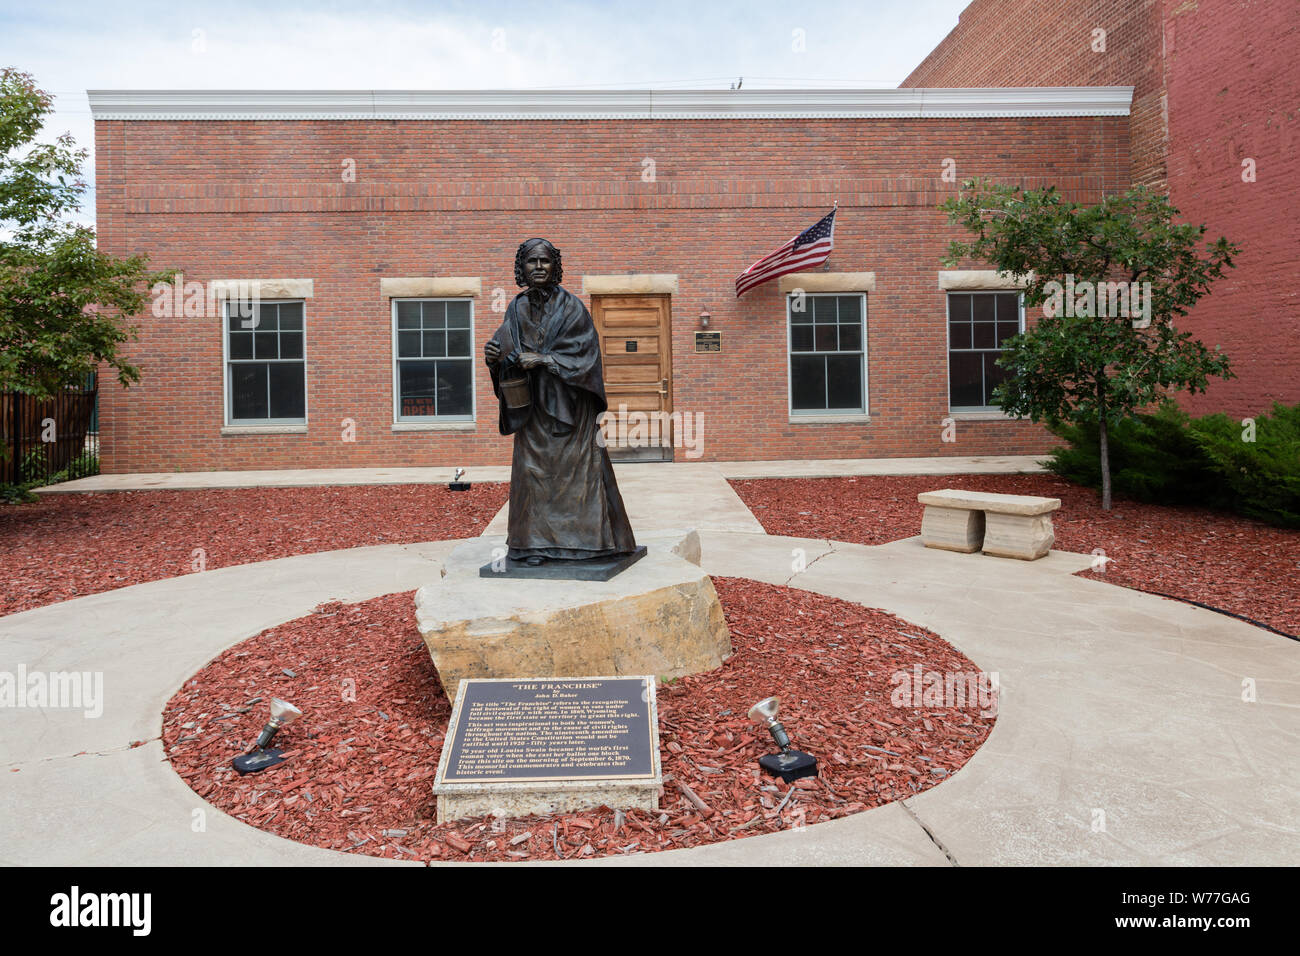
<point>64,304</point>
<point>1112,278</point>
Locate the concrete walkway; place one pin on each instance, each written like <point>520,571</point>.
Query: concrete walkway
<point>661,471</point>
<point>1122,736</point>
<point>669,495</point>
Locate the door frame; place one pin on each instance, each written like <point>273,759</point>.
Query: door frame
<point>663,452</point>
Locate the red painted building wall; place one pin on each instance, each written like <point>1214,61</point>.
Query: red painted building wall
<point>1234,93</point>
<point>264,199</point>
<point>1216,82</point>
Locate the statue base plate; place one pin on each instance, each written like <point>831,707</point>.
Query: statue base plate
<point>559,569</point>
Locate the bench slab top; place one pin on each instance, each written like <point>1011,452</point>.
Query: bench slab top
<point>989,501</point>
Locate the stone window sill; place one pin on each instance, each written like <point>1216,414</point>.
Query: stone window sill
<point>434,426</point>
<point>232,430</point>
<point>985,417</point>
<point>855,419</point>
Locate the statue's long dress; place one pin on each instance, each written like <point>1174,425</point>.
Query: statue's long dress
<point>564,500</point>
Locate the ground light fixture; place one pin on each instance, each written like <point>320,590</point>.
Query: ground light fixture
<point>789,764</point>
<point>260,757</point>
<point>456,484</point>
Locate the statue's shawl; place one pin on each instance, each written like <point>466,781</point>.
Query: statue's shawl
<point>569,338</point>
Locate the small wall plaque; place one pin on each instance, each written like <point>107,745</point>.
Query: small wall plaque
<point>631,345</point>
<point>708,341</point>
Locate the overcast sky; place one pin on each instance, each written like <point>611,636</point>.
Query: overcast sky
<point>146,44</point>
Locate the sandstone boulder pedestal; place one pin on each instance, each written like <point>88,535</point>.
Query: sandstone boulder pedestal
<point>661,616</point>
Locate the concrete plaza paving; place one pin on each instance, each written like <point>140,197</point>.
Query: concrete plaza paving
<point>626,471</point>
<point>1122,737</point>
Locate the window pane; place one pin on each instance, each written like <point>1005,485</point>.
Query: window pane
<point>992,375</point>
<point>959,335</point>
<point>290,344</point>
<point>288,397</point>
<point>417,388</point>
<point>266,345</point>
<point>825,339</point>
<point>435,314</point>
<point>290,315</point>
<point>798,317</point>
<point>241,345</point>
<point>823,308</point>
<point>982,308</point>
<point>1008,306</point>
<point>1008,315</point>
<point>965,379</point>
<point>850,309</point>
<point>435,344</point>
<point>239,315</point>
<point>247,391</point>
<point>807,382</point>
<point>959,308</point>
<point>454,388</point>
<point>408,315</point>
<point>801,338</point>
<point>408,344</point>
<point>458,315</point>
<point>844,377</point>
<point>268,317</point>
<point>851,338</point>
<point>458,342</point>
<point>984,335</point>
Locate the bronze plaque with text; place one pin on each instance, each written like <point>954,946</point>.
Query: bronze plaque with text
<point>554,728</point>
<point>708,341</point>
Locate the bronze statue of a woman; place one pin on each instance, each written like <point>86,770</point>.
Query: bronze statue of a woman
<point>546,372</point>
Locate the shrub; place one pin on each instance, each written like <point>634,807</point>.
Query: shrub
<point>1170,458</point>
<point>16,494</point>
<point>1153,458</point>
<point>1261,476</point>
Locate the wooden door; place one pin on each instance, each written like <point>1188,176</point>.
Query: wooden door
<point>636,353</point>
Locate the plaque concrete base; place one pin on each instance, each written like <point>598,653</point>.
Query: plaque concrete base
<point>460,800</point>
<point>661,616</point>
<point>587,569</point>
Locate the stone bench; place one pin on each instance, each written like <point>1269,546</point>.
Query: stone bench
<point>1009,526</point>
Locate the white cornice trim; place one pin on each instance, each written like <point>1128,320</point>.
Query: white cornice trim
<point>914,103</point>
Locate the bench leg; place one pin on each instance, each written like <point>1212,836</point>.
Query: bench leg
<point>952,529</point>
<point>1018,536</point>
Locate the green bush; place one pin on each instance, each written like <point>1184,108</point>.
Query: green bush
<point>16,494</point>
<point>31,473</point>
<point>1170,458</point>
<point>1261,476</point>
<point>1153,458</point>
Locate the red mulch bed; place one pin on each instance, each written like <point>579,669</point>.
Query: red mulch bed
<point>360,774</point>
<point>70,545</point>
<point>1223,560</point>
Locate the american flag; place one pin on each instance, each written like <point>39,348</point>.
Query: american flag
<point>808,249</point>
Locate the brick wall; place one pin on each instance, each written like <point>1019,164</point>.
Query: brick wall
<point>1234,93</point>
<point>1215,83</point>
<point>1032,43</point>
<point>260,199</point>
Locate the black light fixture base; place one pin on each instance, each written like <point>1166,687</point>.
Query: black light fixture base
<point>258,761</point>
<point>458,485</point>
<point>789,766</point>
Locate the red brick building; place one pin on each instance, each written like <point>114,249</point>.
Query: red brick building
<point>382,229</point>
<point>1215,123</point>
